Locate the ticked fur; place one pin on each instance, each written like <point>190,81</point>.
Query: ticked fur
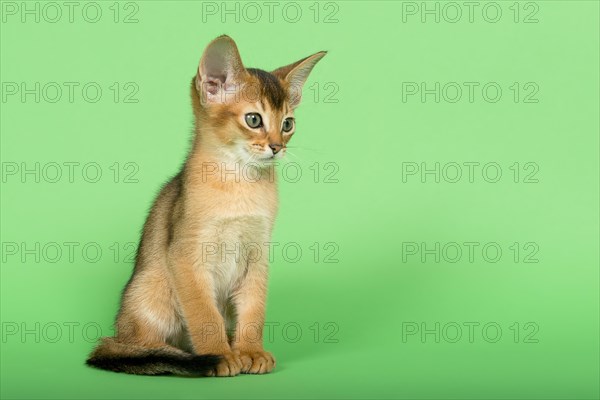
<point>195,304</point>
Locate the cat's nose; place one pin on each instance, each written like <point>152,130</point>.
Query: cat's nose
<point>275,147</point>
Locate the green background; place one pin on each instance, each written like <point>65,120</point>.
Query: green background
<point>362,304</point>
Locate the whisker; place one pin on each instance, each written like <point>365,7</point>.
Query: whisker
<point>295,155</point>
<point>249,158</point>
<point>306,148</point>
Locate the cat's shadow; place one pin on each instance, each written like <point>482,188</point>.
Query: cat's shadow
<point>334,333</point>
<point>336,326</point>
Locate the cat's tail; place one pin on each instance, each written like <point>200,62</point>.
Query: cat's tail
<point>120,357</point>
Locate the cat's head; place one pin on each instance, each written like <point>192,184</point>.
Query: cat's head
<point>248,112</point>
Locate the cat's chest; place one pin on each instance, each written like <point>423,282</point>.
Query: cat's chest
<point>239,228</point>
<point>234,220</point>
<point>231,245</point>
<point>244,201</point>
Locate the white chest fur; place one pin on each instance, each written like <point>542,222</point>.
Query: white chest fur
<point>232,245</point>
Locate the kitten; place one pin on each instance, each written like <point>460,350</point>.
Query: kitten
<point>195,304</point>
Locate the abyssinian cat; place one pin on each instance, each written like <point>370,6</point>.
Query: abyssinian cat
<point>192,306</point>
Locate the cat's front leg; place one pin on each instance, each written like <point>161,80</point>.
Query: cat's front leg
<point>250,301</point>
<point>206,327</point>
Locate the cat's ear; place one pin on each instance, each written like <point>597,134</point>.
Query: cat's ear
<point>296,74</point>
<point>220,72</point>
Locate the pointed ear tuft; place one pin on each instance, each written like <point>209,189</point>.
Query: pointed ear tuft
<point>220,71</point>
<point>296,74</point>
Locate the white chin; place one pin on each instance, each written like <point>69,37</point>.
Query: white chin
<point>268,160</point>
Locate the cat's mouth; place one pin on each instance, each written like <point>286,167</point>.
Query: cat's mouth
<point>268,159</point>
<point>264,157</point>
<point>274,157</point>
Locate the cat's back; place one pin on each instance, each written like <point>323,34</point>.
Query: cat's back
<point>158,228</point>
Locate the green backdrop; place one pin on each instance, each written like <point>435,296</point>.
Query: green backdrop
<point>438,230</point>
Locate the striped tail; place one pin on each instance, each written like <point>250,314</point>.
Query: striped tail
<point>120,357</point>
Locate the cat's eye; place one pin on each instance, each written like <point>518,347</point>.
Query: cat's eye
<point>254,120</point>
<point>288,124</point>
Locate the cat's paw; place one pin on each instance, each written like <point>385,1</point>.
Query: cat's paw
<point>230,365</point>
<point>256,362</point>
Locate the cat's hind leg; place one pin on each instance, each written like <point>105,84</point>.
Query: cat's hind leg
<point>146,325</point>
